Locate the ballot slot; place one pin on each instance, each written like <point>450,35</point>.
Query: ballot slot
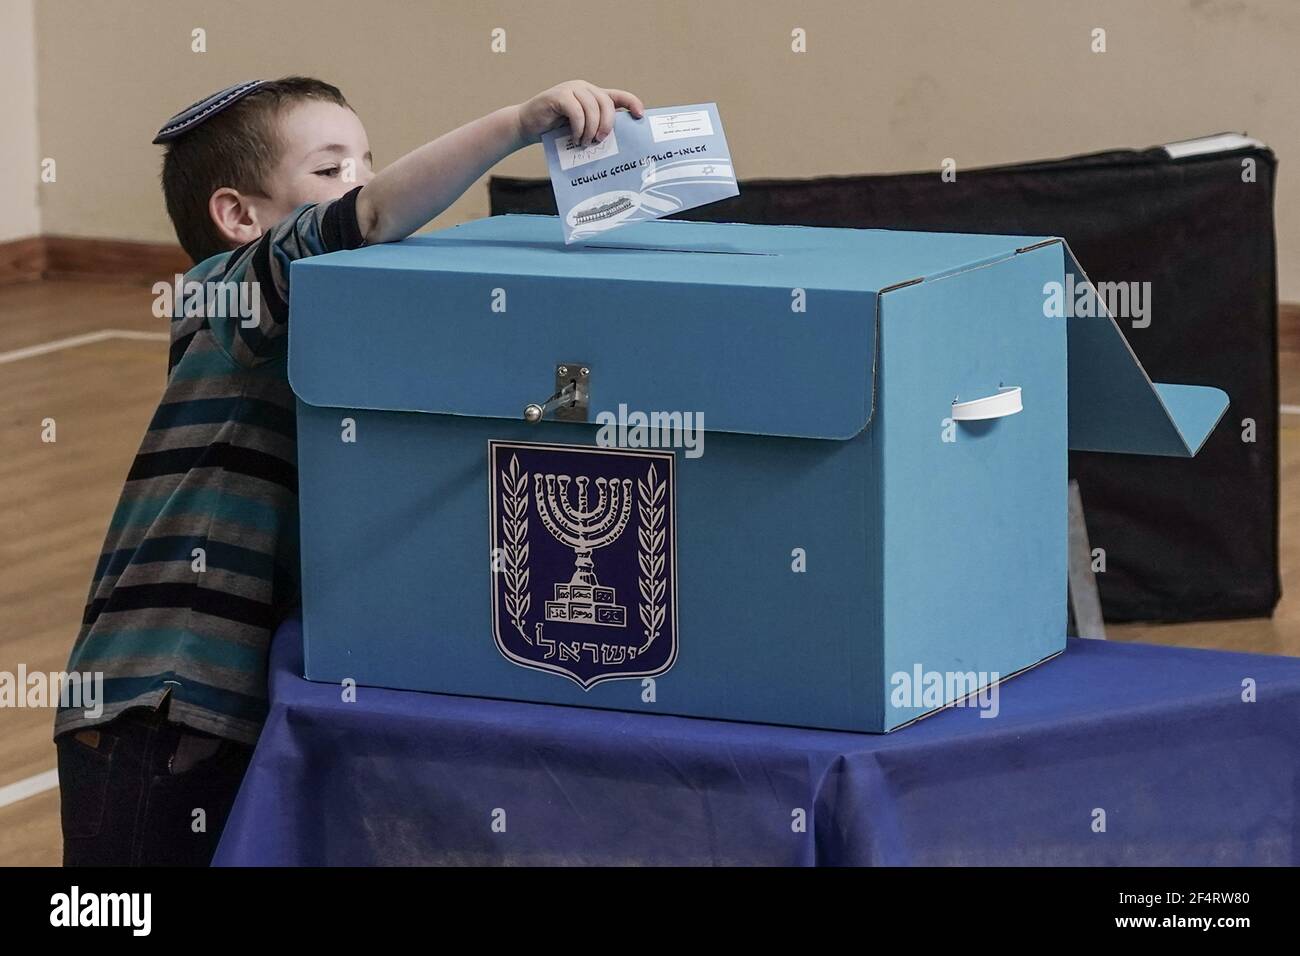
<point>707,252</point>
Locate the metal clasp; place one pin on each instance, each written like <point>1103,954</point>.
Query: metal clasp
<point>571,399</point>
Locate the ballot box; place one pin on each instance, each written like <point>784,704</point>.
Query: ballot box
<point>767,473</point>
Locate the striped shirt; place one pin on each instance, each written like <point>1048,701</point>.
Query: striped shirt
<point>200,563</point>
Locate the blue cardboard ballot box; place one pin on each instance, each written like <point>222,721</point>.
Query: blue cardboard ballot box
<point>767,473</point>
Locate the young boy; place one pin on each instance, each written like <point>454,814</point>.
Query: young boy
<point>201,561</point>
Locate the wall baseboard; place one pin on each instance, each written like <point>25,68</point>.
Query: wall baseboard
<point>102,260</point>
<point>22,259</point>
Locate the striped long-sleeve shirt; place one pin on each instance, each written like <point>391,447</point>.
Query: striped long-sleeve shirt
<point>201,558</point>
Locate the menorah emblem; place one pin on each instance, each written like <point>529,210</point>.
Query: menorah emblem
<point>583,600</point>
<point>618,503</point>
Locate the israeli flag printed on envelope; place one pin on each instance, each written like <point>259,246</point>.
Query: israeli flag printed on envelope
<point>673,158</point>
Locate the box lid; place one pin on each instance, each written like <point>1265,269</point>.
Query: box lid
<point>408,327</point>
<point>718,336</point>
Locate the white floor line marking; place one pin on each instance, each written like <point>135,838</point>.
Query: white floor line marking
<point>88,338</point>
<point>1290,409</point>
<point>29,787</point>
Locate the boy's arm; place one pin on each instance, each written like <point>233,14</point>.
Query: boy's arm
<point>408,193</point>
<point>416,188</point>
<point>400,199</point>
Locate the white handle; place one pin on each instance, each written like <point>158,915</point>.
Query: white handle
<point>1005,402</point>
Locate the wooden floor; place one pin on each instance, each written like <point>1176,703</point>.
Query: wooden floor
<point>58,498</point>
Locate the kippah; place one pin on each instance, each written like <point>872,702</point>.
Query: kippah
<point>204,109</point>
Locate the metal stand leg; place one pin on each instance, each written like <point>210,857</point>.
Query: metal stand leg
<point>1085,618</point>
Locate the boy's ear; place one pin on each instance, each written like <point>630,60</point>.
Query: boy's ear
<point>234,215</point>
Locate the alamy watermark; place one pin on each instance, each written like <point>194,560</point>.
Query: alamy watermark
<point>651,430</point>
<point>133,911</point>
<point>68,691</point>
<point>919,688</point>
<point>1123,300</point>
<point>214,299</point>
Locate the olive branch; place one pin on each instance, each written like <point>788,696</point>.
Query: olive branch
<point>514,535</point>
<point>650,555</point>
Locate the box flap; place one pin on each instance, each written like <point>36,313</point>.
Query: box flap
<point>1114,405</point>
<point>670,315</point>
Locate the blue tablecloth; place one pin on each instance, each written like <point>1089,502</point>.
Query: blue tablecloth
<point>1154,744</point>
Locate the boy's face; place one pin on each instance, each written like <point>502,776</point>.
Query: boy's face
<point>324,154</point>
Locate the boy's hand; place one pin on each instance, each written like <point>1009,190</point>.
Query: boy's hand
<point>420,185</point>
<point>587,108</point>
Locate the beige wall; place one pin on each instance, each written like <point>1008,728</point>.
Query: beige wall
<point>887,85</point>
<point>19,165</point>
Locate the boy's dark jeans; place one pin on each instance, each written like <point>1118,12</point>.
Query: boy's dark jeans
<point>130,789</point>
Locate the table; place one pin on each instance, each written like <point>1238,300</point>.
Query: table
<point>1112,754</point>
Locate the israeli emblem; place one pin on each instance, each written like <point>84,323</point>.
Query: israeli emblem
<point>584,559</point>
